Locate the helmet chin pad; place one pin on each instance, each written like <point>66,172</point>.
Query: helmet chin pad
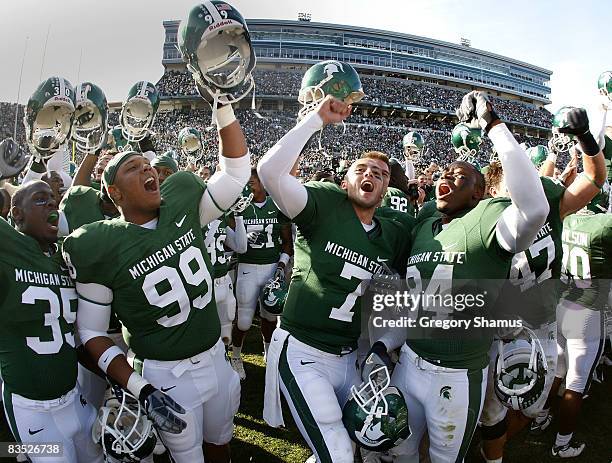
<point>51,128</point>
<point>136,118</point>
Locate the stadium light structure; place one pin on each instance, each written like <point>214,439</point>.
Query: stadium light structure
<point>304,17</point>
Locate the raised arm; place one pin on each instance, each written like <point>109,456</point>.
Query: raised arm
<point>235,168</point>
<point>236,238</point>
<point>520,223</point>
<point>275,167</point>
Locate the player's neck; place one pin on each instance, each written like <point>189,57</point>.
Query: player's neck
<point>139,217</point>
<point>365,215</point>
<point>260,198</point>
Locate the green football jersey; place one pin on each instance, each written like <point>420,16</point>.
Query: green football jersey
<point>533,288</point>
<point>398,200</point>
<point>96,185</point>
<point>161,278</point>
<point>38,306</point>
<point>263,227</point>
<point>587,250</point>
<point>401,217</point>
<point>448,257</point>
<point>427,210</point>
<point>81,205</point>
<point>214,238</point>
<point>334,260</point>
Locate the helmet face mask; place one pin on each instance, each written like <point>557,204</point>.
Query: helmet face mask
<point>329,78</point>
<point>91,118</point>
<point>123,429</point>
<point>561,142</point>
<point>520,371</point>
<point>138,111</point>
<point>49,116</point>
<point>212,39</point>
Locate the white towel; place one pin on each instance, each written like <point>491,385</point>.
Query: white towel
<point>273,412</point>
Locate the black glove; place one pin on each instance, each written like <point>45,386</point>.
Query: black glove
<point>476,110</point>
<point>146,144</point>
<point>13,159</point>
<point>160,409</point>
<point>578,125</point>
<point>377,357</point>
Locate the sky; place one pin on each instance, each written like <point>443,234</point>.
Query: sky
<point>115,43</point>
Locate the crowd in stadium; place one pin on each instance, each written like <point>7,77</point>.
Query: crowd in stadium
<point>128,285</point>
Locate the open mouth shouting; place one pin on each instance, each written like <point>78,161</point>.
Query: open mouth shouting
<point>151,185</point>
<point>367,186</point>
<point>444,189</point>
<point>53,220</point>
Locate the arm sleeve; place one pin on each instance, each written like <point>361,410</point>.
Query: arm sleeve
<point>522,220</point>
<point>237,239</point>
<point>224,187</point>
<point>410,171</point>
<point>274,168</point>
<point>94,310</point>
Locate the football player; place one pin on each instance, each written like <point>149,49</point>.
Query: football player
<point>532,292</point>
<point>443,380</point>
<point>42,400</point>
<point>587,249</point>
<point>339,246</point>
<point>153,274</point>
<point>269,248</point>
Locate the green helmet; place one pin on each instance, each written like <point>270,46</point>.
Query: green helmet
<point>115,141</point>
<point>138,111</point>
<point>274,295</point>
<point>466,140</point>
<point>13,159</point>
<point>90,118</point>
<point>604,84</point>
<point>538,155</point>
<point>49,115</point>
<point>190,142</point>
<point>561,142</point>
<point>212,37</point>
<point>329,78</point>
<point>601,202</point>
<point>376,415</point>
<point>413,144</point>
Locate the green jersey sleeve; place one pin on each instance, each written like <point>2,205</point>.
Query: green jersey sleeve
<point>81,205</point>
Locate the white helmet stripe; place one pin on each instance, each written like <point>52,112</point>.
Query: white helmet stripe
<point>212,9</point>
<point>143,88</point>
<point>62,84</point>
<point>79,91</point>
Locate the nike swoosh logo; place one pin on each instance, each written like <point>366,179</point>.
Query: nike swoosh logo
<point>166,389</point>
<point>305,363</point>
<point>271,212</point>
<point>34,432</point>
<point>378,259</point>
<point>179,224</point>
<point>245,273</point>
<point>105,359</point>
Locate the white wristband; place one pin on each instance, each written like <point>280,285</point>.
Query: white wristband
<point>225,116</point>
<point>552,157</point>
<point>107,357</point>
<point>284,258</point>
<point>135,384</point>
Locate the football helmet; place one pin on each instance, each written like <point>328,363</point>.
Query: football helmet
<point>413,145</point>
<point>538,155</point>
<point>376,415</point>
<point>49,115</point>
<point>274,294</point>
<point>213,36</point>
<point>123,429</point>
<point>190,142</point>
<point>138,111</point>
<point>561,142</point>
<point>13,159</point>
<point>520,371</point>
<point>604,84</point>
<point>90,118</point>
<point>329,78</point>
<point>466,140</point>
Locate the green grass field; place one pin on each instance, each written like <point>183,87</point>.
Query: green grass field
<point>256,442</point>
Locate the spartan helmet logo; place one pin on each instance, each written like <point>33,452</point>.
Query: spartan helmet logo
<point>445,393</point>
<point>331,68</point>
<point>371,433</point>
